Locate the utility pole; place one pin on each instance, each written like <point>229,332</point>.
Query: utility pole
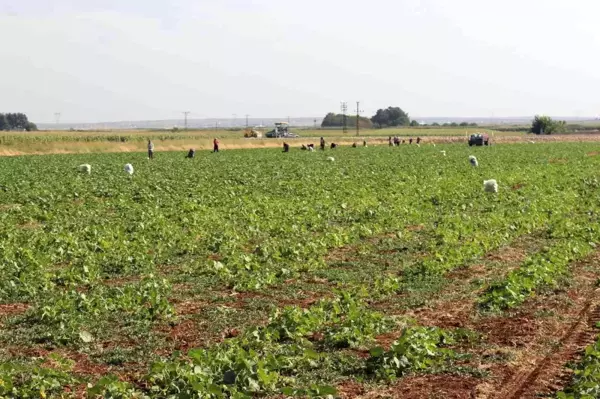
<point>288,120</point>
<point>315,121</point>
<point>247,120</point>
<point>358,111</point>
<point>233,120</point>
<point>185,116</point>
<point>344,108</point>
<point>57,117</point>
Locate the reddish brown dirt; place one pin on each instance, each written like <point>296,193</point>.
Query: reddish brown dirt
<point>240,300</point>
<point>549,374</point>
<point>524,351</point>
<point>386,340</point>
<point>452,311</point>
<point>350,389</point>
<point>342,254</point>
<point>189,307</point>
<point>81,363</point>
<point>12,309</point>
<point>427,387</point>
<point>544,335</point>
<point>512,331</point>
<point>593,154</point>
<point>454,314</point>
<point>186,335</point>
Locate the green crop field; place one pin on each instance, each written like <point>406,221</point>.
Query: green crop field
<point>388,272</point>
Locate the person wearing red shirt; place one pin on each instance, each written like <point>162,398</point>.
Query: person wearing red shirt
<point>215,145</point>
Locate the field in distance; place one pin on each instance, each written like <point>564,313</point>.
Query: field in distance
<point>388,272</point>
<point>74,142</point>
<point>53,142</point>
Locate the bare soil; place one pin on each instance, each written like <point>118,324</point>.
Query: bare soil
<point>524,352</point>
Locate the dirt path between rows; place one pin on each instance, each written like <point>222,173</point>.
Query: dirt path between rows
<point>550,375</point>
<point>524,351</point>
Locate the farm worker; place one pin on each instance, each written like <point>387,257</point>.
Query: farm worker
<point>286,147</point>
<point>150,149</point>
<point>364,143</point>
<point>390,141</point>
<point>215,145</point>
<point>322,144</point>
<point>410,141</point>
<point>418,140</point>
<point>191,153</point>
<point>396,141</point>
<point>354,145</point>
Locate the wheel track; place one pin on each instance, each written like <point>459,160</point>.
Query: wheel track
<point>527,383</point>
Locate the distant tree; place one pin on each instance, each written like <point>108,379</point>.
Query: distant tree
<point>545,125</point>
<point>464,124</point>
<point>391,116</point>
<point>435,124</point>
<point>329,120</point>
<point>414,123</point>
<point>381,118</point>
<point>31,127</point>
<point>398,117</point>
<point>11,120</point>
<point>454,124</point>
<point>16,121</point>
<point>3,123</point>
<point>473,124</point>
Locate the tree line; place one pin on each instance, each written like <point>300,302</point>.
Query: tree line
<point>16,121</point>
<point>337,120</point>
<point>384,117</point>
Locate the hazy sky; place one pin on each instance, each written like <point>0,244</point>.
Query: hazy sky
<point>109,60</point>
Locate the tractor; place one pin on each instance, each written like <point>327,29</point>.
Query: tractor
<point>252,133</point>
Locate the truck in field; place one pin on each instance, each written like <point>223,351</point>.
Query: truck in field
<point>479,139</point>
<point>281,130</point>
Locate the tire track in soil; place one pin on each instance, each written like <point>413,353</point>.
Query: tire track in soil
<point>549,375</point>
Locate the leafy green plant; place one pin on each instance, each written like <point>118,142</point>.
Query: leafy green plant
<point>417,349</point>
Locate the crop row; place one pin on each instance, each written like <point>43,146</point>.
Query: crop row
<point>272,358</point>
<point>575,236</point>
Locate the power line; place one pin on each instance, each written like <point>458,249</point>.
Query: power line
<point>358,111</point>
<point>186,113</point>
<point>247,120</point>
<point>344,108</point>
